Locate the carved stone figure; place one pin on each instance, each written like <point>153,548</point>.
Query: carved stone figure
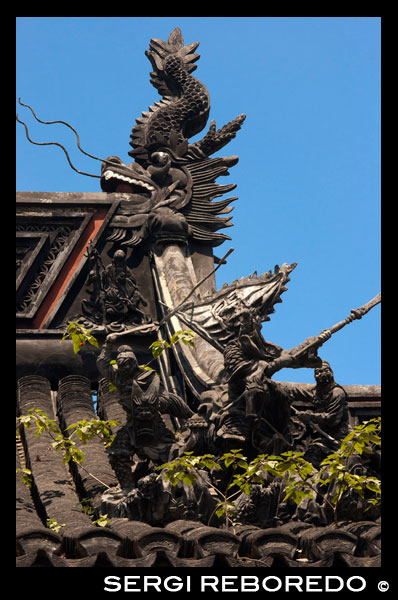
<point>260,507</point>
<point>327,419</point>
<point>197,436</point>
<point>164,201</point>
<point>121,295</point>
<point>257,410</point>
<point>149,501</point>
<point>115,299</point>
<point>144,433</point>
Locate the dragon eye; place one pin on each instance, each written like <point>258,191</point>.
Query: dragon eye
<point>160,159</point>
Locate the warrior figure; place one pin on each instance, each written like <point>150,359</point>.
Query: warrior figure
<point>258,409</point>
<point>327,419</point>
<point>144,433</point>
<point>114,297</point>
<point>121,296</point>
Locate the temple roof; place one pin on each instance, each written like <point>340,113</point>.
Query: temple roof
<point>57,491</point>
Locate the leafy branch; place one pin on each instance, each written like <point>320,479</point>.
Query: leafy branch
<point>187,469</point>
<point>84,430</point>
<point>159,346</point>
<point>361,441</point>
<point>79,335</point>
<point>301,479</point>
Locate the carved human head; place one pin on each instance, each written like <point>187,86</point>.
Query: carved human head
<point>119,257</point>
<point>126,360</point>
<point>324,373</point>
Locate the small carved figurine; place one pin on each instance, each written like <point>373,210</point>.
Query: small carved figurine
<point>121,295</point>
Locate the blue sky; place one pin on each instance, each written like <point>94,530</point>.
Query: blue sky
<point>308,176</point>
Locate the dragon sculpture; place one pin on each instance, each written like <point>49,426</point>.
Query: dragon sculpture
<point>171,184</point>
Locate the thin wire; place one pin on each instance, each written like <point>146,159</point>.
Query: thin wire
<point>55,144</point>
<point>67,125</point>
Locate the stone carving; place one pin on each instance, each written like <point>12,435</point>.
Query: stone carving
<point>57,237</point>
<point>144,442</point>
<point>247,410</point>
<point>172,182</point>
<point>251,411</point>
<point>255,411</point>
<point>163,201</point>
<point>326,421</point>
<point>144,433</point>
<point>247,407</point>
<point>217,317</point>
<point>197,435</point>
<point>115,301</point>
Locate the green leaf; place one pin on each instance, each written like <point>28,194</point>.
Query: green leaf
<point>358,446</point>
<point>76,345</point>
<point>210,464</point>
<point>187,480</point>
<point>78,456</point>
<point>246,488</point>
<point>93,341</point>
<point>147,368</point>
<point>373,486</point>
<point>54,526</point>
<point>243,464</point>
<point>26,476</point>
<point>102,521</point>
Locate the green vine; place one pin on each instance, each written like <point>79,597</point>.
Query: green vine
<point>301,479</point>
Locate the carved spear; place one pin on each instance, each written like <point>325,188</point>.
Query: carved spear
<point>356,314</point>
<point>315,342</point>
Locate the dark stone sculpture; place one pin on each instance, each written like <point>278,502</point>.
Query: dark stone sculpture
<point>216,396</point>
<point>144,433</point>
<point>121,296</point>
<point>115,301</point>
<point>326,421</point>
<point>247,409</point>
<point>252,411</point>
<point>172,183</point>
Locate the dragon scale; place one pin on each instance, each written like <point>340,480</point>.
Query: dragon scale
<point>185,106</point>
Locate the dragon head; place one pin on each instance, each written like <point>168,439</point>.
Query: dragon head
<point>116,176</point>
